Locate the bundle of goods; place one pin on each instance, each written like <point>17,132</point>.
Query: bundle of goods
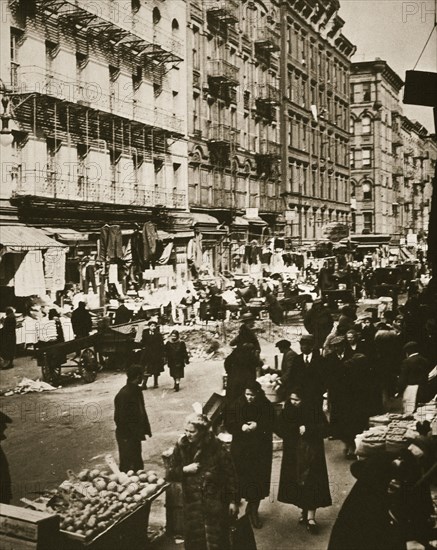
<point>93,501</point>
<point>385,419</point>
<point>270,384</point>
<point>371,441</point>
<point>399,434</point>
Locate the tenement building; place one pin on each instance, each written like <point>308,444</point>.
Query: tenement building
<point>392,158</point>
<point>94,97</point>
<point>268,122</point>
<point>234,177</point>
<point>315,70</point>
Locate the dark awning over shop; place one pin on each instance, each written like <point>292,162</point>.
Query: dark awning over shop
<point>18,238</point>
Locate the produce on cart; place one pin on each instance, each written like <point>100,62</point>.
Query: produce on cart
<point>94,502</point>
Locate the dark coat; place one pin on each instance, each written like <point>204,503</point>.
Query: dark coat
<point>81,322</point>
<point>363,522</point>
<point>8,338</point>
<point>309,378</point>
<point>352,398</point>
<point>318,322</point>
<point>304,476</point>
<point>334,369</point>
<point>130,413</point>
<point>122,315</point>
<point>5,480</point>
<point>414,372</point>
<point>207,494</point>
<point>153,355</point>
<point>252,451</point>
<point>177,357</point>
<point>240,366</point>
<point>287,363</point>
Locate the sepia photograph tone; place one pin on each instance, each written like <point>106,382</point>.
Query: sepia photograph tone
<point>218,262</point>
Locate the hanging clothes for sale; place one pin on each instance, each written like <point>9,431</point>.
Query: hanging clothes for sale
<point>150,236</point>
<point>54,269</point>
<point>29,274</point>
<point>165,256</point>
<point>137,249</point>
<point>279,243</point>
<point>111,243</point>
<point>266,255</point>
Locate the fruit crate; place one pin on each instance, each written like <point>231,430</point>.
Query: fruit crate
<point>128,533</point>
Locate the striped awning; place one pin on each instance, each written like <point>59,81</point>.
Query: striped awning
<point>18,238</point>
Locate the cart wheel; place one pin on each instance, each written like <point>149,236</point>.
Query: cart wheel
<point>51,373</point>
<point>88,365</point>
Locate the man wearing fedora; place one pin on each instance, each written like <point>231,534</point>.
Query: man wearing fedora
<point>307,373</point>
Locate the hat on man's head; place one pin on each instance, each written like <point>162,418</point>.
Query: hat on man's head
<point>247,317</point>
<point>309,338</point>
<point>283,344</point>
<point>338,340</point>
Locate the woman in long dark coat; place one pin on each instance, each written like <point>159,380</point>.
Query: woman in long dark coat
<point>177,357</point>
<point>153,354</point>
<point>209,486</point>
<point>352,401</point>
<point>304,476</point>
<point>250,421</point>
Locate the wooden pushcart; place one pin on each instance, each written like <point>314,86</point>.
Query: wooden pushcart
<point>91,354</point>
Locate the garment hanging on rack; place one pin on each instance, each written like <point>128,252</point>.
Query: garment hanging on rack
<point>150,236</point>
<point>111,243</point>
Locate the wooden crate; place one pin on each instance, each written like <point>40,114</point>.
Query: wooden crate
<point>23,528</point>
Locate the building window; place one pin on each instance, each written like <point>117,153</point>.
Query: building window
<point>156,16</point>
<point>365,125</point>
<point>135,5</point>
<point>367,94</point>
<point>367,191</point>
<point>366,157</point>
<point>174,25</point>
<point>367,222</point>
<point>16,38</point>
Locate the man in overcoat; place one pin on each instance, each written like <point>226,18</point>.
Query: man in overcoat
<point>132,423</point>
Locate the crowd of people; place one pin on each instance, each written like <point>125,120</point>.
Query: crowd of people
<point>347,370</point>
<point>349,367</point>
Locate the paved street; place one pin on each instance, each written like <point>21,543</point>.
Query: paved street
<point>72,428</point>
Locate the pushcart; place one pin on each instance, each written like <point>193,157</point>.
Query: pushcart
<point>91,353</point>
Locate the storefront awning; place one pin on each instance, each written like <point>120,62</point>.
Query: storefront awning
<point>17,238</point>
<point>199,218</point>
<point>240,222</point>
<point>65,234</point>
<point>255,220</point>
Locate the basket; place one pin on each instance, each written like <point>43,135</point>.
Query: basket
<point>271,394</point>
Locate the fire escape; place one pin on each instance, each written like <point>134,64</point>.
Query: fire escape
<point>64,110</point>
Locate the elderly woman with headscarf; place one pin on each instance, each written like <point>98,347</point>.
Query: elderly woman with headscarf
<point>209,485</point>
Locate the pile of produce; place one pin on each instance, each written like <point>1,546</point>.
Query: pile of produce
<point>371,441</point>
<point>269,381</point>
<point>93,500</point>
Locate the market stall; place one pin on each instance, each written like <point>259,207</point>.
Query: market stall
<point>99,510</point>
<point>394,432</point>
